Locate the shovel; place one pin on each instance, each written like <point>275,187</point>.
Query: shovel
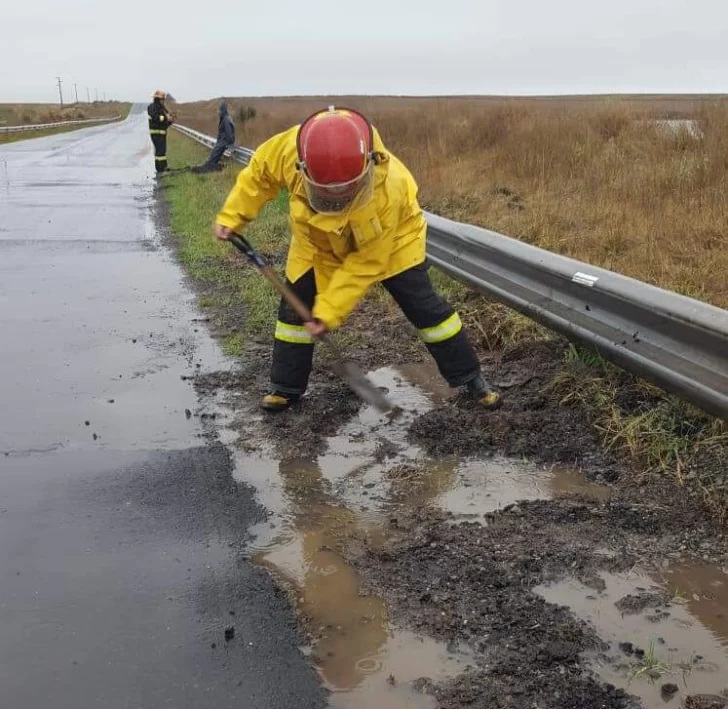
<point>346,369</point>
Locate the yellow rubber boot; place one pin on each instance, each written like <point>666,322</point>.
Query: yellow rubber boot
<point>479,390</point>
<point>278,402</point>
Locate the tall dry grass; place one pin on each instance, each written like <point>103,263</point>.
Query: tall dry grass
<point>595,179</point>
<point>15,114</point>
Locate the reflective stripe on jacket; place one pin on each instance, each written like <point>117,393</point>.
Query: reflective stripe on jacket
<point>159,119</point>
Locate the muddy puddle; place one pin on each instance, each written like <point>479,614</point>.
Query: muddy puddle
<point>368,474</point>
<point>667,629</point>
<point>362,660</point>
<point>372,466</point>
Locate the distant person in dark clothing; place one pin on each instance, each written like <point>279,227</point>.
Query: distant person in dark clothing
<point>225,141</point>
<point>159,120</point>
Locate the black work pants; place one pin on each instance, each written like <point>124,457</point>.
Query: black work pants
<point>216,153</point>
<point>159,140</point>
<point>438,324</point>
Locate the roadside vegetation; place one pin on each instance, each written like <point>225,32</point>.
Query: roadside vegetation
<point>241,303</point>
<point>597,180</point>
<point>33,114</point>
<point>23,114</point>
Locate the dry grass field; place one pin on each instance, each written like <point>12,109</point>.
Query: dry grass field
<point>601,179</point>
<point>20,114</point>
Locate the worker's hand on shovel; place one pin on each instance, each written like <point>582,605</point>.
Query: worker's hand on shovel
<point>222,232</point>
<point>316,328</point>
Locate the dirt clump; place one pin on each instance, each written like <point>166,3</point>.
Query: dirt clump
<point>705,701</point>
<point>529,422</point>
<point>632,604</point>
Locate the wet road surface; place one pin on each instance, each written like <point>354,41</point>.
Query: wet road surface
<point>120,523</point>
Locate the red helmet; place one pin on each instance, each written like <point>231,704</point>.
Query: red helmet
<point>335,158</point>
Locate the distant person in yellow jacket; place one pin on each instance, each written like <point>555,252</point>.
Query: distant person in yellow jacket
<point>355,221</point>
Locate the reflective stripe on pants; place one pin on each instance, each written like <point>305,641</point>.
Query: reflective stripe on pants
<point>293,346</point>
<point>296,334</point>
<point>159,140</point>
<point>438,324</point>
<point>442,331</point>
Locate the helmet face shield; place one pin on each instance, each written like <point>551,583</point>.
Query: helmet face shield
<point>336,161</point>
<point>339,197</point>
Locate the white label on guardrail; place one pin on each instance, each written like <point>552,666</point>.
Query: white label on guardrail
<point>584,279</point>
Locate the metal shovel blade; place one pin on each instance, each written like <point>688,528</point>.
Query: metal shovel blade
<point>360,385</point>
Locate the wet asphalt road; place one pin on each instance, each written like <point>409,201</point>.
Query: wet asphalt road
<point>120,537</point>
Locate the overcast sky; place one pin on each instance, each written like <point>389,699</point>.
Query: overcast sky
<point>199,50</point>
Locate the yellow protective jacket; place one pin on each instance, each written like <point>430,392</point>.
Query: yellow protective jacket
<point>348,252</point>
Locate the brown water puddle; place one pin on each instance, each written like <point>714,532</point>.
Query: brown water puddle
<point>370,462</point>
<point>678,617</point>
<point>704,588</point>
<point>360,658</point>
<point>369,473</point>
<point>480,486</point>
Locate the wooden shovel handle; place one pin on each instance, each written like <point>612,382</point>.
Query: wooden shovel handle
<point>275,280</point>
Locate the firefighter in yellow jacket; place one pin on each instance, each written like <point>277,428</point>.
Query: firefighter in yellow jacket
<point>160,119</point>
<point>355,221</point>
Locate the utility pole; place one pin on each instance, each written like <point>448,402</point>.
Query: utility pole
<point>75,89</point>
<point>88,95</point>
<point>97,94</point>
<point>60,90</point>
<point>104,96</point>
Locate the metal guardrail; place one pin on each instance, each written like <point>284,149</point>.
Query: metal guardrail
<point>46,126</point>
<point>679,343</point>
<point>241,155</point>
